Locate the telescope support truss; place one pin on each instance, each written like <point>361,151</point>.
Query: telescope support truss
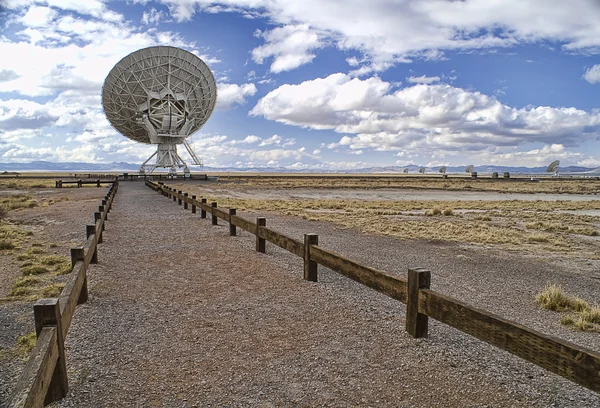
<point>167,157</point>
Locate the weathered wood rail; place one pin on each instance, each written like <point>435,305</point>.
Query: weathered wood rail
<point>80,183</point>
<point>564,358</point>
<point>44,378</point>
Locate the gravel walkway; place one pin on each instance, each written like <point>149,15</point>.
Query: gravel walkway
<point>180,315</point>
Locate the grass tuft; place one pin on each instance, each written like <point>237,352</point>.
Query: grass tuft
<point>553,298</point>
<point>27,343</point>
<point>448,211</point>
<point>34,270</point>
<point>583,316</point>
<point>52,260</point>
<point>6,244</point>
<point>52,290</point>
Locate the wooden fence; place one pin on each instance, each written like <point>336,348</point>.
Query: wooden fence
<point>566,359</point>
<point>44,378</point>
<point>80,183</point>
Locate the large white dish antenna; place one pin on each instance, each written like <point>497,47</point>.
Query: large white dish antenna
<point>442,170</point>
<point>160,95</point>
<point>469,168</point>
<point>553,168</point>
<point>422,170</point>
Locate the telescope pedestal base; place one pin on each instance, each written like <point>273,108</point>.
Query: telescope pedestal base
<point>166,157</point>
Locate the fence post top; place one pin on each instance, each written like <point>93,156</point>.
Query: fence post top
<point>46,302</point>
<point>418,270</point>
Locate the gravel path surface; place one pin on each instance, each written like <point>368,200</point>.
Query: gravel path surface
<point>180,315</point>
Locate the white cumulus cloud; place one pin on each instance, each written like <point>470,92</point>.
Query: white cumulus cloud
<point>423,79</point>
<point>290,46</point>
<point>230,94</point>
<point>422,116</point>
<point>592,75</point>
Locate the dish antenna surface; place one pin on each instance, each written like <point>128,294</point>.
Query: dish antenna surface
<point>469,168</point>
<point>442,170</point>
<point>553,167</point>
<point>405,170</point>
<point>160,95</point>
<point>422,170</point>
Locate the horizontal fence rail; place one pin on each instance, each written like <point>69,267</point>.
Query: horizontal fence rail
<point>81,183</point>
<point>564,358</point>
<point>44,379</point>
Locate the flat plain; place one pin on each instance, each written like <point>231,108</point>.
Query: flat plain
<point>197,317</point>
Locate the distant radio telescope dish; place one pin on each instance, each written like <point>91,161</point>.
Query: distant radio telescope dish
<point>405,170</point>
<point>469,169</point>
<point>442,170</point>
<point>553,167</point>
<point>422,170</point>
<point>160,95</point>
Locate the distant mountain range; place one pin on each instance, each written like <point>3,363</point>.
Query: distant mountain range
<point>128,167</point>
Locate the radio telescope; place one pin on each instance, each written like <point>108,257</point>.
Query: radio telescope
<point>160,95</point>
<point>422,170</point>
<point>442,170</point>
<point>553,168</point>
<point>469,168</point>
<point>405,171</point>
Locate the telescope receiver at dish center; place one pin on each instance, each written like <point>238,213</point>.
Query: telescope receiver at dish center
<point>160,95</point>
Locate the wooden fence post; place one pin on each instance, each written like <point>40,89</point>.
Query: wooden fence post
<point>174,195</point>
<point>97,183</point>
<point>260,242</point>
<point>416,323</point>
<point>179,197</point>
<point>89,231</point>
<point>46,312</point>
<point>310,267</point>
<point>78,254</point>
<point>193,204</point>
<point>185,204</point>
<point>97,217</point>
<point>232,228</point>
<point>202,210</point>
<point>214,216</point>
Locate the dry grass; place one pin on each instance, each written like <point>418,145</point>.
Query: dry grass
<point>38,272</point>
<point>23,184</point>
<point>26,343</point>
<point>582,316</point>
<point>12,237</point>
<point>17,201</point>
<point>452,184</point>
<point>34,270</point>
<point>510,227</point>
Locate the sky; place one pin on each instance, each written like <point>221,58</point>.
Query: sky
<point>317,84</point>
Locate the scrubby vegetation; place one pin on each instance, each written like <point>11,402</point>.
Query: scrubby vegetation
<point>580,314</point>
<point>512,224</point>
<point>415,182</point>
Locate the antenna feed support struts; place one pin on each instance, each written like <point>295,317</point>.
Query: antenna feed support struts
<point>166,156</point>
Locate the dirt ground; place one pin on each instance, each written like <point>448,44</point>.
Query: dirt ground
<point>54,230</point>
<point>180,315</point>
